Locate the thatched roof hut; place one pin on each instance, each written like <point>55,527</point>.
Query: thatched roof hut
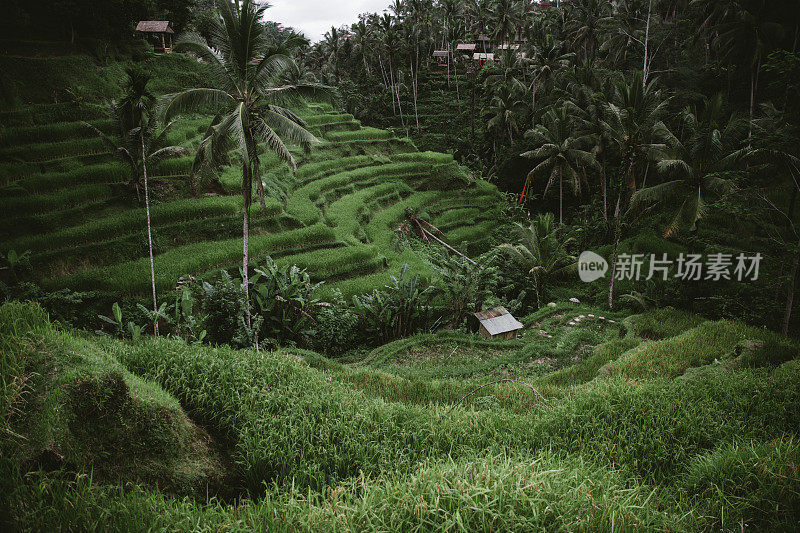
<point>483,56</point>
<point>158,28</point>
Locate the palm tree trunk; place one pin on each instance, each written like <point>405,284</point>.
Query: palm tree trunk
<point>646,38</point>
<point>149,235</point>
<point>247,193</point>
<point>605,194</point>
<point>617,235</point>
<point>259,185</point>
<point>560,199</point>
<point>414,86</point>
<point>787,315</point>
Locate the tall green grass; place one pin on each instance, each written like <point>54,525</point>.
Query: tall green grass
<point>363,134</point>
<point>54,150</point>
<point>133,220</point>
<point>56,201</point>
<point>698,346</point>
<point>133,278</point>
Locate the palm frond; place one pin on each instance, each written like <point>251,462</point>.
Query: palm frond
<point>201,99</point>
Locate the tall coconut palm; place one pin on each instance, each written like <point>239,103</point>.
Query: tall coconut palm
<point>362,35</point>
<point>746,33</point>
<point>540,252</point>
<point>589,17</point>
<point>139,144</point>
<point>696,164</point>
<point>505,17</point>
<point>630,126</point>
<point>546,59</point>
<point>560,154</point>
<point>504,112</point>
<point>624,31</point>
<point>243,70</point>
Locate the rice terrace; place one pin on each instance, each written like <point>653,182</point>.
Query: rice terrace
<point>438,265</point>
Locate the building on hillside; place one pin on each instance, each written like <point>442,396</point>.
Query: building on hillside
<point>153,29</point>
<point>483,57</point>
<point>441,56</point>
<point>508,47</point>
<point>484,43</point>
<point>465,50</point>
<point>497,323</point>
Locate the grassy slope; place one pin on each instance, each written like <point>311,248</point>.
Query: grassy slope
<point>658,453</point>
<point>65,201</point>
<point>73,405</point>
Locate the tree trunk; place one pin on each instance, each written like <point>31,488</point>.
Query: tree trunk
<point>259,184</point>
<point>617,235</point>
<point>644,180</point>
<point>247,193</point>
<point>646,37</point>
<point>149,235</point>
<point>560,199</point>
<point>787,315</point>
<point>605,194</point>
<point>414,87</point>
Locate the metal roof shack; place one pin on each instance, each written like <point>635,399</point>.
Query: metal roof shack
<point>465,46</point>
<point>497,323</point>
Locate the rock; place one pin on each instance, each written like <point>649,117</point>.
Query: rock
<point>574,300</point>
<point>591,316</point>
<point>551,304</point>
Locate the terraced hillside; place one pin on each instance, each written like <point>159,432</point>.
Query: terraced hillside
<point>64,199</point>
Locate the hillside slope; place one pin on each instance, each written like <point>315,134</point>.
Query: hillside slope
<point>65,200</point>
<point>318,450</point>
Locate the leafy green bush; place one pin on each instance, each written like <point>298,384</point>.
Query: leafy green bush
<point>336,328</point>
<point>224,308</point>
<point>398,311</point>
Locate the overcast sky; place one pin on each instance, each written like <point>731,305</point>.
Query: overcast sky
<point>315,17</point>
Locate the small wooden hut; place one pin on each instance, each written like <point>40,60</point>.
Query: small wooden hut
<point>483,57</point>
<point>497,323</point>
<point>465,49</point>
<point>441,56</point>
<point>154,29</point>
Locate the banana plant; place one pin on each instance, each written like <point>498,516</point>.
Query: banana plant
<point>122,329</point>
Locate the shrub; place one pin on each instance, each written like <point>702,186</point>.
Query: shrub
<point>398,311</point>
<point>336,328</point>
<point>224,308</point>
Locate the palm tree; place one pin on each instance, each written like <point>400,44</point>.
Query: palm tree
<point>559,154</point>
<point>138,145</point>
<point>587,21</point>
<point>630,126</point>
<point>504,111</point>
<point>331,44</point>
<point>746,33</point>
<point>540,252</point>
<point>625,31</point>
<point>546,59</point>
<point>250,104</point>
<point>362,34</point>
<point>505,18</point>
<point>696,164</point>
